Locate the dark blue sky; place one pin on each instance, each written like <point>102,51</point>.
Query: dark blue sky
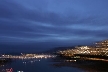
<point>44,24</point>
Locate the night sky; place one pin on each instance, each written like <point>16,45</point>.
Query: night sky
<point>37,25</point>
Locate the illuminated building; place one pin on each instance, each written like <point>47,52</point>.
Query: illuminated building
<point>101,49</point>
<point>102,44</point>
<point>85,50</point>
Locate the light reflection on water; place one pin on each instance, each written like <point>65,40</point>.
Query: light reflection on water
<point>36,65</point>
<point>54,65</point>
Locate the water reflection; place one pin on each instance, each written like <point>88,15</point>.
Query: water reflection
<point>86,66</point>
<point>54,65</point>
<point>34,65</point>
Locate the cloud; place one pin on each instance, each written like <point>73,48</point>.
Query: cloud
<point>22,23</point>
<point>19,12</point>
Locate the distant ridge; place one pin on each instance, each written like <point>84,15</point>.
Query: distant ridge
<point>53,50</point>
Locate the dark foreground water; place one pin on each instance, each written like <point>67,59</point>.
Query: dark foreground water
<point>52,65</point>
<point>36,65</point>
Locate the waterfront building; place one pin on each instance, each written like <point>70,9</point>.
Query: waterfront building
<point>84,51</point>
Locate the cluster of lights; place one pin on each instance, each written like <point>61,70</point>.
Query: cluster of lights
<point>32,61</point>
<point>10,70</point>
<point>102,44</point>
<point>85,50</point>
<point>7,70</point>
<point>28,56</point>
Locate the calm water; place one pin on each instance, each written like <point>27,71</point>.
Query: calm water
<point>37,65</point>
<point>54,65</point>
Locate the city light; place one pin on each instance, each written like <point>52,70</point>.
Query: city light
<point>28,56</point>
<point>100,49</point>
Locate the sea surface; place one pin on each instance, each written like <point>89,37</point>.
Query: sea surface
<point>52,65</point>
<point>36,65</point>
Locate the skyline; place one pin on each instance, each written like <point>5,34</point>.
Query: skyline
<point>44,24</point>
